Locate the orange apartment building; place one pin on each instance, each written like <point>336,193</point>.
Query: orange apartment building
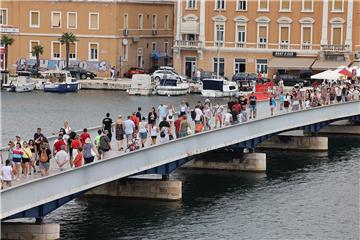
<point>132,33</point>
<point>265,35</point>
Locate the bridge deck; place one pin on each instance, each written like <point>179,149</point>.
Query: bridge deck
<point>120,165</point>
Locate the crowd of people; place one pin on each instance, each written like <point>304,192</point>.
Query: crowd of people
<point>160,125</point>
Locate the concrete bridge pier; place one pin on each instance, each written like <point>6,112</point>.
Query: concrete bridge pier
<point>296,140</point>
<point>342,127</point>
<point>27,230</point>
<point>159,189</point>
<point>238,161</point>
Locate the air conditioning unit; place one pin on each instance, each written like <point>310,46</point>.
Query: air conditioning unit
<point>154,32</point>
<point>126,32</point>
<point>136,39</point>
<point>357,56</point>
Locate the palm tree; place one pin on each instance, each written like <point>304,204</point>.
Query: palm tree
<point>67,38</point>
<point>6,42</point>
<point>37,50</point>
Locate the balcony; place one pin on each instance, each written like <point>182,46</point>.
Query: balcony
<point>306,46</point>
<point>262,45</point>
<point>335,48</point>
<point>187,44</point>
<point>240,45</point>
<point>284,46</point>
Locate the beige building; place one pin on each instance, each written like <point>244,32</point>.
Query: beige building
<point>132,33</point>
<point>265,35</point>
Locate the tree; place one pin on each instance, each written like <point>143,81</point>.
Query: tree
<point>6,41</point>
<point>37,50</point>
<point>67,39</point>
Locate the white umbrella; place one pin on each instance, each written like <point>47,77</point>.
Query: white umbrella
<point>328,74</point>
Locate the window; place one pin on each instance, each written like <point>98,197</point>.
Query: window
<point>153,46</point>
<point>94,21</point>
<point>241,5</point>
<point>55,50</point>
<point>307,5</point>
<point>125,52</point>
<point>72,20</point>
<point>93,51</point>
<point>3,16</point>
<point>284,37</point>
<point>262,36</point>
<point>221,66</point>
<point>285,5</point>
<point>126,21</point>
<point>241,35</point>
<point>306,37</point>
<point>262,66</point>
<point>336,38</point>
<point>56,19</point>
<point>34,19</point>
<point>191,4</point>
<point>166,47</point>
<point>263,5</point>
<point>337,5</point>
<point>140,21</point>
<point>72,51</point>
<point>240,65</point>
<point>219,4</point>
<point>32,44</point>
<point>220,34</point>
<point>154,21</point>
<point>166,22</point>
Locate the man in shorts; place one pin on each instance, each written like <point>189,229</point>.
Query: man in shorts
<point>252,105</point>
<point>44,155</point>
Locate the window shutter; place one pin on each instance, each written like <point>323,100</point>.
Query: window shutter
<point>56,48</point>
<point>285,4</point>
<point>306,34</point>
<point>337,4</point>
<point>262,32</point>
<point>93,21</point>
<point>72,48</point>
<point>284,33</point>
<point>336,36</point>
<point>307,4</point>
<point>56,20</point>
<point>263,4</point>
<point>72,20</point>
<point>34,18</point>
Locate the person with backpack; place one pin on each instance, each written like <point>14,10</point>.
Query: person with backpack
<point>44,154</point>
<point>104,144</point>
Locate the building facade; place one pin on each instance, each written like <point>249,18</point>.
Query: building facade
<point>264,35</point>
<point>111,33</point>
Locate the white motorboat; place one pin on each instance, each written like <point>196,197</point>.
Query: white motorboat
<point>21,83</point>
<point>60,81</point>
<point>171,87</point>
<point>141,85</point>
<point>213,87</point>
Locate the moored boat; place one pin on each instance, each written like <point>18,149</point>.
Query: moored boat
<point>60,81</point>
<point>21,83</point>
<point>213,87</point>
<point>171,87</point>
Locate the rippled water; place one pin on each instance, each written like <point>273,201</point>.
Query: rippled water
<point>302,195</point>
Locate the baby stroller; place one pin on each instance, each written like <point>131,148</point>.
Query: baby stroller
<point>133,145</point>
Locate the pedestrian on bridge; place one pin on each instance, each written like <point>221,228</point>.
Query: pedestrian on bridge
<point>62,158</point>
<point>152,116</point>
<point>107,125</point>
<point>79,160</point>
<point>119,132</point>
<point>252,105</point>
<point>44,156</point>
<point>104,144</point>
<point>89,151</point>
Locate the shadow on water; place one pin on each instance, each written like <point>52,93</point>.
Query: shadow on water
<point>205,193</point>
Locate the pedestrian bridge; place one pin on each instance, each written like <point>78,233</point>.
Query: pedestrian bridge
<point>38,197</point>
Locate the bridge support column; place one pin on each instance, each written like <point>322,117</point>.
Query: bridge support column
<point>18,230</point>
<point>140,188</point>
<point>300,142</point>
<point>249,162</point>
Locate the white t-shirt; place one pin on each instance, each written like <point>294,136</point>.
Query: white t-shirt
<point>6,173</point>
<point>198,113</point>
<point>154,132</point>
<point>227,117</point>
<point>129,126</point>
<point>61,157</point>
<point>356,94</point>
<point>142,127</point>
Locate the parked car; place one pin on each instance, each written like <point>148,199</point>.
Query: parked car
<point>159,74</point>
<point>291,80</point>
<point>134,70</point>
<point>78,72</point>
